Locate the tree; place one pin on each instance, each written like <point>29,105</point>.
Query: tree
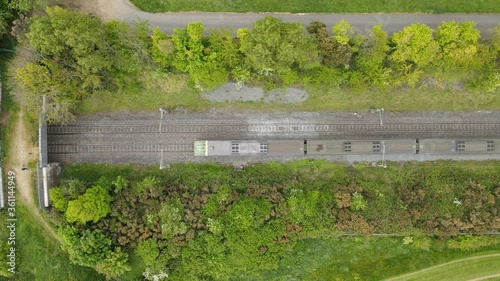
<point>372,56</point>
<point>114,264</point>
<point>315,26</point>
<point>194,56</point>
<point>332,51</point>
<point>55,83</point>
<point>148,251</point>
<point>87,248</point>
<point>275,48</point>
<point>162,48</point>
<point>458,43</point>
<point>495,42</point>
<point>342,32</point>
<point>414,46</point>
<point>172,219</point>
<point>79,56</point>
<point>91,206</point>
<point>93,248</point>
<point>27,5</point>
<point>59,201</point>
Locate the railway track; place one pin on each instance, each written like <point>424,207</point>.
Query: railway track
<point>118,148</point>
<point>272,128</point>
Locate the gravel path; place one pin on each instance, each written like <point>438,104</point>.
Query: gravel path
<point>141,138</point>
<point>229,92</point>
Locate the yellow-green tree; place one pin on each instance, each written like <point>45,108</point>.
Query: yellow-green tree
<point>91,206</point>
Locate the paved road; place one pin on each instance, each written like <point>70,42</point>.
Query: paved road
<point>123,10</point>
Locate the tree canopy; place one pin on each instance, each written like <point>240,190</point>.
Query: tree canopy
<point>415,45</point>
<point>91,206</point>
<point>273,47</point>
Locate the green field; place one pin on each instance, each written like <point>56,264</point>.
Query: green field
<point>465,269</point>
<point>321,6</point>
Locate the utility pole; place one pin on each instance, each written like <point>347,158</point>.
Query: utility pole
<point>380,115</point>
<point>161,160</point>
<point>383,165</point>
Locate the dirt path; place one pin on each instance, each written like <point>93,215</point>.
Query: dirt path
<point>20,154</point>
<point>445,264</point>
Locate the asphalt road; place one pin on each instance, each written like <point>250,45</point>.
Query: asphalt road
<point>123,10</point>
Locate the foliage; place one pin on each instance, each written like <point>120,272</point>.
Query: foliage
<point>93,248</point>
<point>148,251</point>
<point>120,75</point>
<point>371,61</point>
<point>38,253</point>
<point>414,46</point>
<point>114,264</point>
<point>78,56</point>
<point>91,206</point>
<point>87,248</point>
<point>120,183</point>
<point>59,201</point>
<point>358,202</point>
<point>171,218</point>
<point>471,243</point>
<point>162,48</point>
<point>205,221</point>
<point>203,64</point>
<point>458,43</point>
<point>275,49</point>
<point>342,32</point>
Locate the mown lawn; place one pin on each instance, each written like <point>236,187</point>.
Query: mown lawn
<point>321,6</point>
<point>376,258</point>
<point>465,269</point>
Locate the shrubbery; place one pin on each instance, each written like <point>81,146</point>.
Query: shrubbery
<point>208,221</point>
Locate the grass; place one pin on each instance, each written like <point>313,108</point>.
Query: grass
<point>321,6</point>
<point>465,269</point>
<point>39,257</point>
<point>373,258</point>
<point>8,107</point>
<point>155,90</point>
<point>320,99</point>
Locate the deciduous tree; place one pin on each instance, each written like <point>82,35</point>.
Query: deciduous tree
<point>115,264</point>
<point>414,45</point>
<point>275,48</point>
<point>458,44</point>
<point>372,56</point>
<point>91,206</point>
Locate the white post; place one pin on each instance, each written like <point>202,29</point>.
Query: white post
<point>161,160</point>
<point>380,114</point>
<point>45,187</point>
